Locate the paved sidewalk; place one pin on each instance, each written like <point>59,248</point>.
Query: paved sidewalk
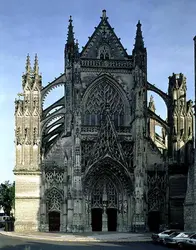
<point>83,237</point>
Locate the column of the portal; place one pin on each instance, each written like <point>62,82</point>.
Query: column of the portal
<point>139,172</point>
<point>87,214</point>
<point>69,194</point>
<point>104,215</point>
<point>64,210</point>
<point>44,226</point>
<point>77,184</point>
<point>120,214</point>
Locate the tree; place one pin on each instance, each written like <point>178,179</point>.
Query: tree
<point>7,196</point>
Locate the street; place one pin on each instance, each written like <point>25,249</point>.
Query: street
<point>10,243</point>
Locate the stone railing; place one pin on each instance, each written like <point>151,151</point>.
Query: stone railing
<point>95,129</point>
<point>122,64</point>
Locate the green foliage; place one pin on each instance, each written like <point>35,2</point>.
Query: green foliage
<point>7,196</point>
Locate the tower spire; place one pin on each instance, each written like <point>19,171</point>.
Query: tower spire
<point>139,42</point>
<point>36,65</point>
<point>28,64</point>
<point>70,46</point>
<point>70,35</point>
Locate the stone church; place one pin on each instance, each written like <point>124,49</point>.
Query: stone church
<point>92,161</point>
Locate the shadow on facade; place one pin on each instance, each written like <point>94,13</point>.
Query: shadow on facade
<point>167,190</point>
<point>178,184</point>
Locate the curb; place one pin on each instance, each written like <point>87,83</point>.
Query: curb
<point>60,239</point>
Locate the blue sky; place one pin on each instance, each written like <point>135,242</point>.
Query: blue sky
<point>41,27</point>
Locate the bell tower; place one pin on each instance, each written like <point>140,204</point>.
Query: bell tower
<point>27,145</point>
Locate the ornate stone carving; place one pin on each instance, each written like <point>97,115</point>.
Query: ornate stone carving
<point>157,183</point>
<point>104,93</point>
<point>54,199</point>
<point>107,143</point>
<point>54,176</point>
<point>104,192</point>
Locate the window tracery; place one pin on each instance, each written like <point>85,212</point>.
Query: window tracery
<point>102,95</point>
<point>54,200</point>
<point>98,194</point>
<point>157,185</point>
<point>112,195</point>
<point>86,149</point>
<point>54,176</point>
<point>104,52</point>
<point>127,148</point>
<point>155,200</point>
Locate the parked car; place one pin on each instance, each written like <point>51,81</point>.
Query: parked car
<point>189,243</point>
<point>158,237</point>
<point>2,220</point>
<point>176,238</point>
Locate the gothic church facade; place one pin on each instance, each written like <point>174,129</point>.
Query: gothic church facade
<point>92,161</point>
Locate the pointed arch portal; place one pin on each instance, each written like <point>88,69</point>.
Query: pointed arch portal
<point>54,199</point>
<point>107,187</point>
<point>104,199</point>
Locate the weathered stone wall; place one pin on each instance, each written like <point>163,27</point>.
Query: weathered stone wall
<point>27,203</point>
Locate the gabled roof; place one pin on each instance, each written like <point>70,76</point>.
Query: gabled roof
<point>104,35</point>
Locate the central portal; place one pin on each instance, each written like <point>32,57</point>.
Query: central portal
<point>104,206</point>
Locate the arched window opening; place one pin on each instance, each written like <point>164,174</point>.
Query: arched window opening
<point>104,52</point>
<point>104,95</point>
<point>102,56</point>
<point>93,119</point>
<point>107,56</point>
<point>121,118</point>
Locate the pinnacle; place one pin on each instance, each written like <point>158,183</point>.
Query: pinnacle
<point>139,24</point>
<point>70,35</point>
<point>139,42</point>
<point>151,104</point>
<point>28,64</point>
<point>104,14</point>
<point>36,65</point>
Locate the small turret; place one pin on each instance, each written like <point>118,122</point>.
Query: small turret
<point>178,118</point>
<point>177,82</point>
<point>151,105</point>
